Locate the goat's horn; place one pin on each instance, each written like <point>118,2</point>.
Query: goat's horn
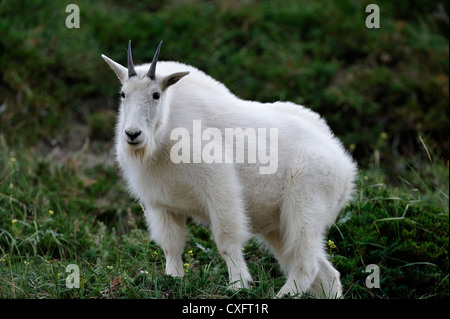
<point>152,70</point>
<point>131,70</point>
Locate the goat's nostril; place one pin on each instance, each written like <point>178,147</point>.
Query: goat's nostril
<point>132,134</point>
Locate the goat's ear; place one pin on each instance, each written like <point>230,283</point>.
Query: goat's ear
<point>172,79</point>
<point>121,71</point>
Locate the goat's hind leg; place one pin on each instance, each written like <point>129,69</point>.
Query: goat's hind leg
<point>308,268</point>
<point>302,266</point>
<point>327,283</point>
<point>288,265</point>
<point>301,228</point>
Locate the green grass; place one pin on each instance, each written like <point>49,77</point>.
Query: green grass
<point>56,214</point>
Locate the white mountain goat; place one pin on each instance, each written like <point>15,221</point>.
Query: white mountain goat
<point>289,205</point>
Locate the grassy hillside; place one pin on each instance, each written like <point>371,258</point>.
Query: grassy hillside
<point>383,91</point>
<point>53,215</point>
<point>390,82</point>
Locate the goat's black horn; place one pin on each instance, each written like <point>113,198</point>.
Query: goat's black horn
<point>152,70</point>
<point>131,70</point>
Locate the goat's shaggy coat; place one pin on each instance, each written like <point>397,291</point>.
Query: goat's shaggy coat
<point>290,209</point>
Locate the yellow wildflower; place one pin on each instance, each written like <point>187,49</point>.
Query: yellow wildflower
<point>331,244</point>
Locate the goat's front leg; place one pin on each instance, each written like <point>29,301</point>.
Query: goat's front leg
<point>229,227</point>
<point>168,230</point>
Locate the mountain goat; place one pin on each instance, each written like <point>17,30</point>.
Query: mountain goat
<point>288,198</point>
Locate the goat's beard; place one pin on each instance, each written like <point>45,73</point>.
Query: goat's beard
<point>139,153</point>
<point>145,152</point>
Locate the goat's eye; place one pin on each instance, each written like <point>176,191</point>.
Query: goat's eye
<point>122,95</point>
<point>156,95</point>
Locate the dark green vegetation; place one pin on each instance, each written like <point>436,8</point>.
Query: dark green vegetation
<point>383,91</point>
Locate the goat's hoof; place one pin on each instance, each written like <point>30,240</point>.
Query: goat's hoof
<point>287,291</point>
<point>240,284</point>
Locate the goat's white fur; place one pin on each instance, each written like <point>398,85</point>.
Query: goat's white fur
<point>290,209</point>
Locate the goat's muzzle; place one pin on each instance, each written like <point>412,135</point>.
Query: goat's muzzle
<point>133,137</point>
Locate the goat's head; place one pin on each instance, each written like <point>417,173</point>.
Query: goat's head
<point>142,94</point>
